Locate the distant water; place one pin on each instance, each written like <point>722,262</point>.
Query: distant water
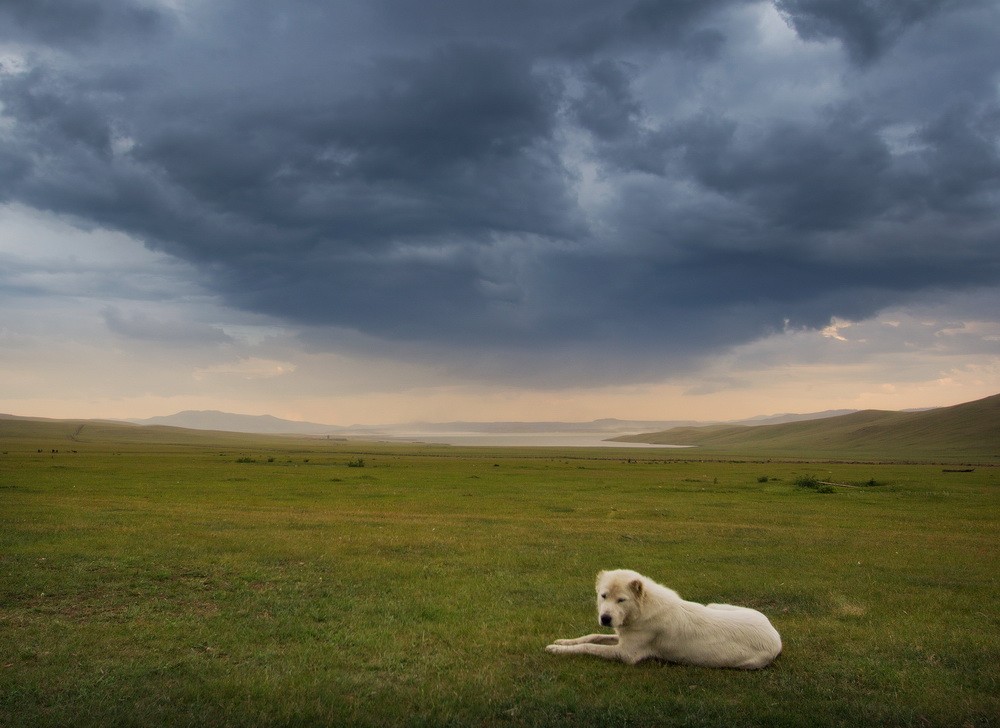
<point>520,439</point>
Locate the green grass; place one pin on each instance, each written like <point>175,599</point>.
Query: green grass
<point>165,582</point>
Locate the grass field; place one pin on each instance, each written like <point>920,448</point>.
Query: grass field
<point>277,582</point>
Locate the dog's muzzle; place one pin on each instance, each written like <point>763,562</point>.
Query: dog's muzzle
<point>606,620</point>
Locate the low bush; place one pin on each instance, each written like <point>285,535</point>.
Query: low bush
<point>812,483</point>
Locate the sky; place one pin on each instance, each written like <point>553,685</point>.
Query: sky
<point>376,211</point>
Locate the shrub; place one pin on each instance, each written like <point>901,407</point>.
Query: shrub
<point>811,482</point>
<point>807,481</point>
<point>359,463</point>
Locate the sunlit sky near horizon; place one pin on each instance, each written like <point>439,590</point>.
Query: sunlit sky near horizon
<point>383,211</point>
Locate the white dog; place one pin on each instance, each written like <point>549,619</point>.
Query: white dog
<point>652,621</point>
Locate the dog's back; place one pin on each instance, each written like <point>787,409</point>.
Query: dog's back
<point>723,635</point>
<point>716,635</point>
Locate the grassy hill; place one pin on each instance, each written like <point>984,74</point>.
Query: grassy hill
<point>969,430</point>
<point>86,435</point>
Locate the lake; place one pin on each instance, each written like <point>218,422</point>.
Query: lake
<point>521,439</point>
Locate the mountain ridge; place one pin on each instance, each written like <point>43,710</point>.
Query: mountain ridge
<point>268,424</point>
<point>234,422</point>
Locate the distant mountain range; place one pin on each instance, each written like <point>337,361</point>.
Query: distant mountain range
<point>229,422</point>
<point>268,425</point>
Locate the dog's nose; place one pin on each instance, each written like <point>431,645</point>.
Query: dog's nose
<point>606,620</point>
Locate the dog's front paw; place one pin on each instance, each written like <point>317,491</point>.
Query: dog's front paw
<point>556,648</point>
<point>564,642</point>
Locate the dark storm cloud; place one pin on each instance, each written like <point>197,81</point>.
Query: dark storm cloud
<point>554,178</point>
<point>76,21</point>
<point>607,108</point>
<point>865,27</point>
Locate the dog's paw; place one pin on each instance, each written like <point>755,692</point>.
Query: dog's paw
<point>556,648</point>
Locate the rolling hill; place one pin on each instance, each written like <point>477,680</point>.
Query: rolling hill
<point>971,429</point>
<point>964,433</point>
<point>40,432</point>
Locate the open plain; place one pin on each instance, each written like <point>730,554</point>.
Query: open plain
<point>151,576</point>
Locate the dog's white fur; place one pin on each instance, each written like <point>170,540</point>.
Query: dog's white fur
<point>652,621</point>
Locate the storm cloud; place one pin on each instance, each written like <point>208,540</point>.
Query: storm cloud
<point>634,184</point>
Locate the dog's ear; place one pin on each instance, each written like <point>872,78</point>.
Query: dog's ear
<point>600,575</point>
<point>636,586</point>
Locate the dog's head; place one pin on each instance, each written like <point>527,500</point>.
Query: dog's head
<point>620,594</point>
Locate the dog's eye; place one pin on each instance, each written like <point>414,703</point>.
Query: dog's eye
<point>621,599</point>
<point>604,596</point>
